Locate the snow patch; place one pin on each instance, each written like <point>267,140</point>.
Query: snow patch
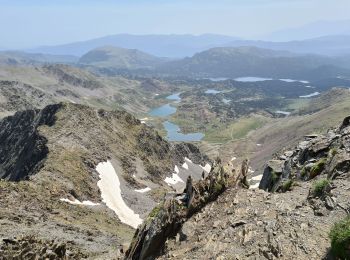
<point>257,178</point>
<point>186,159</point>
<point>77,202</point>
<point>255,186</point>
<point>250,170</point>
<point>109,186</point>
<point>173,180</point>
<point>143,190</point>
<point>233,158</point>
<point>206,168</point>
<point>258,144</point>
<point>311,95</point>
<point>185,165</point>
<point>176,169</point>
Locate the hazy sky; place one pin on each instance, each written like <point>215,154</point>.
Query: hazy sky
<point>27,23</point>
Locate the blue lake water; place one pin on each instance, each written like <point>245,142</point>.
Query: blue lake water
<point>175,97</point>
<point>174,134</point>
<point>217,79</point>
<point>163,111</point>
<point>251,79</point>
<point>173,130</point>
<point>212,91</point>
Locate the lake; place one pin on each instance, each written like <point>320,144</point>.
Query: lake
<point>251,79</point>
<point>257,79</point>
<point>212,91</point>
<point>174,134</point>
<point>163,111</point>
<point>175,97</point>
<point>173,130</point>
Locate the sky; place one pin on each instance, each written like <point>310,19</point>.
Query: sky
<point>31,23</point>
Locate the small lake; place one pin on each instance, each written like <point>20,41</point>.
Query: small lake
<point>216,79</point>
<point>212,91</point>
<point>257,79</point>
<point>251,79</point>
<point>173,130</point>
<point>283,112</point>
<point>175,97</point>
<point>163,111</point>
<point>174,134</point>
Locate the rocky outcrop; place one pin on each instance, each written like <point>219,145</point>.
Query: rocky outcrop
<point>66,74</point>
<point>327,154</point>
<point>23,148</point>
<point>166,220</point>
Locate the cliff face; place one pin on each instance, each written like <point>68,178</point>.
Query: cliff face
<point>23,149</point>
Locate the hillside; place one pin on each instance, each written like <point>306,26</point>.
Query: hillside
<point>119,58</point>
<point>25,58</point>
<point>233,62</point>
<point>27,87</point>
<point>60,178</point>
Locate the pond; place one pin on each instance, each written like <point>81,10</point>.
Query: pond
<point>251,79</point>
<point>163,111</point>
<point>212,91</point>
<point>175,97</point>
<point>173,130</point>
<point>174,134</point>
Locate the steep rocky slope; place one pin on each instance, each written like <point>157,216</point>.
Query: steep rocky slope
<point>28,87</point>
<point>313,185</point>
<point>61,169</point>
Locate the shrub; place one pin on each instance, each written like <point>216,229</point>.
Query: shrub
<point>333,152</point>
<point>274,176</point>
<point>287,185</point>
<point>318,168</point>
<point>303,173</point>
<point>318,187</point>
<point>340,239</point>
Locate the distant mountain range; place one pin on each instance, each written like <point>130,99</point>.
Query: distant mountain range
<point>180,46</point>
<point>311,30</point>
<point>158,45</point>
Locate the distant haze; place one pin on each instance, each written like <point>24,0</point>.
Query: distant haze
<point>31,23</point>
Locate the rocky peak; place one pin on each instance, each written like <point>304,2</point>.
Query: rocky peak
<point>326,154</point>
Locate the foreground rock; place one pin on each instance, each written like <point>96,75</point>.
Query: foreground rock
<point>293,223</point>
<point>167,219</point>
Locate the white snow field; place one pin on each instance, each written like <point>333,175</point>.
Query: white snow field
<point>109,186</point>
<point>143,190</point>
<point>77,202</point>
